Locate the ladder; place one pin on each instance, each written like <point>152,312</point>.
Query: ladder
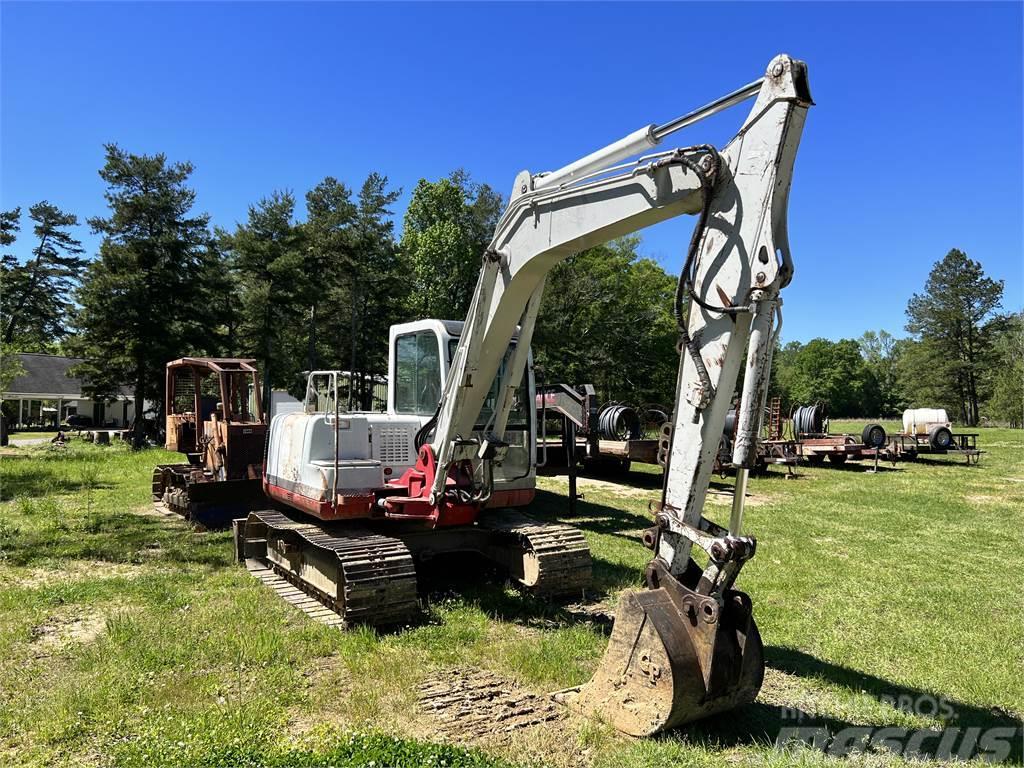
<point>775,419</point>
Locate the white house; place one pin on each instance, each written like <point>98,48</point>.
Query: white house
<point>45,396</point>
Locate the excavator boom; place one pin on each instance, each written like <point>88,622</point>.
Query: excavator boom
<point>687,646</point>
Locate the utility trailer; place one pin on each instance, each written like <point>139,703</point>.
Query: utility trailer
<point>909,447</point>
<point>604,438</point>
<point>837,449</point>
<point>814,443</point>
<point>771,448</point>
<point>929,430</point>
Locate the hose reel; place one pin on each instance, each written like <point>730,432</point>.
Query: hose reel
<point>619,422</point>
<point>809,419</point>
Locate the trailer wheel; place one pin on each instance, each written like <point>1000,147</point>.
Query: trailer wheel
<point>815,459</point>
<point>837,458</point>
<point>873,436</point>
<point>940,438</point>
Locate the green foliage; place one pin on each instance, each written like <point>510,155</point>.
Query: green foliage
<point>274,271</point>
<point>881,353</point>
<point>10,225</point>
<point>447,227</point>
<point>949,317</point>
<point>146,298</point>
<point>1006,374</point>
<point>35,302</point>
<point>359,291</point>
<point>831,371</point>
<point>10,366</point>
<point>606,319</point>
<point>378,291</point>
<point>320,293</point>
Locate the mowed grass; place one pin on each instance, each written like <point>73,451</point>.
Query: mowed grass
<point>126,639</point>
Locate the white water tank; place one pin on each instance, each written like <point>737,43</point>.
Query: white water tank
<point>920,421</point>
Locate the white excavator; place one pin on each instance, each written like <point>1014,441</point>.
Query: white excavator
<point>684,647</point>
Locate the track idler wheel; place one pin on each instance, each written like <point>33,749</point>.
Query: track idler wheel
<point>674,656</point>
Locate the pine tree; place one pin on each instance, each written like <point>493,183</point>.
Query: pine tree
<point>331,257</point>
<point>949,317</point>
<point>359,290</point>
<point>10,225</point>
<point>145,299</point>
<point>36,299</point>
<point>273,269</point>
<point>378,292</point>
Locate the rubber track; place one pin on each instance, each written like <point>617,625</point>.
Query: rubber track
<point>378,573</point>
<point>562,553</point>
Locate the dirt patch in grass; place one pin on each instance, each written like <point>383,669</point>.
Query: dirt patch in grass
<point>474,705</point>
<point>58,632</point>
<point>984,499</point>
<point>725,497</point>
<point>74,570</point>
<point>782,689</point>
<point>158,510</point>
<point>633,492</point>
<point>478,708</point>
<point>617,489</point>
<point>325,673</point>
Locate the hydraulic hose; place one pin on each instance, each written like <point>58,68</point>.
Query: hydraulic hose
<point>685,284</point>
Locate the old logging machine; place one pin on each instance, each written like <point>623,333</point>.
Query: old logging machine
<point>214,417</point>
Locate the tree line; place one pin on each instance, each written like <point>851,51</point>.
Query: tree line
<point>962,354</point>
<point>321,291</point>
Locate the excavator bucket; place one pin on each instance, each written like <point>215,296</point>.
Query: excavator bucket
<point>674,656</point>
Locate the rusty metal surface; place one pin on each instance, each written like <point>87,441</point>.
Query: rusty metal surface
<point>674,656</point>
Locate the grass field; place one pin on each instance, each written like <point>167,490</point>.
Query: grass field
<point>126,639</point>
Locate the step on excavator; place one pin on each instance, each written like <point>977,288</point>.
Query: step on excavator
<point>215,418</point>
<point>684,647</point>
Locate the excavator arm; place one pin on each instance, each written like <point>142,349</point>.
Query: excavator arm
<point>687,646</point>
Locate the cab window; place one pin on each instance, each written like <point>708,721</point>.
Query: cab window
<point>518,417</point>
<point>418,373</point>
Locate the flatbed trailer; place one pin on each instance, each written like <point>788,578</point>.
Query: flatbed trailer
<point>642,450</point>
<point>909,446</point>
<point>580,440</point>
<point>838,449</point>
<point>554,457</point>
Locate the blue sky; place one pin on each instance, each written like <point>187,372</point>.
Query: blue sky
<point>914,147</point>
